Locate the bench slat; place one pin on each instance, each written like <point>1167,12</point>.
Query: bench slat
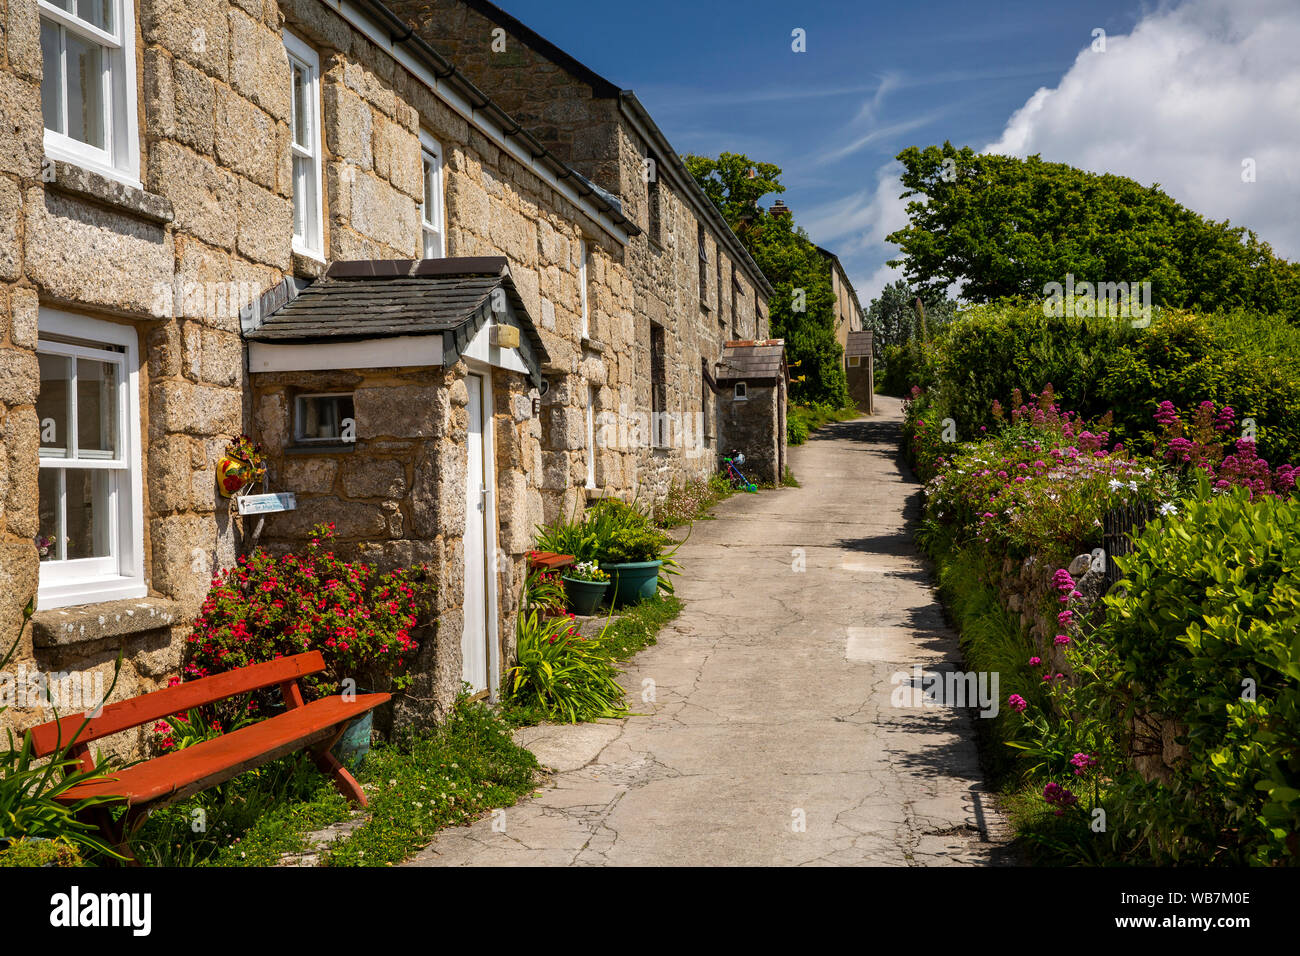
<point>146,708</point>
<point>177,775</point>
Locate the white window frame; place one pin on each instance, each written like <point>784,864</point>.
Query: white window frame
<point>119,160</point>
<point>741,392</point>
<point>591,436</point>
<point>312,242</point>
<point>299,438</point>
<point>433,222</point>
<point>121,575</point>
<point>584,255</point>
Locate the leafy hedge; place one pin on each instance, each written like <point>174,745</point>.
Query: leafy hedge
<point>1206,629</point>
<point>1098,365</point>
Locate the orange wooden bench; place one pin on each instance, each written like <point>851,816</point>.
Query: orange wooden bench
<point>155,783</point>
<point>549,561</point>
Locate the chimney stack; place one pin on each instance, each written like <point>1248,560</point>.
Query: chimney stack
<point>779,208</point>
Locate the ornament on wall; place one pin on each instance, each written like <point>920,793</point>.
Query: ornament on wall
<point>242,465</point>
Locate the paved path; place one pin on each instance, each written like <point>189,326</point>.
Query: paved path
<point>772,700</point>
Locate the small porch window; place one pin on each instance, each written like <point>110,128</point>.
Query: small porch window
<point>326,419</point>
<point>741,393</point>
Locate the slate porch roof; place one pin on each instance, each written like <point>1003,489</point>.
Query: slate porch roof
<point>752,361</point>
<point>859,343</point>
<point>385,298</point>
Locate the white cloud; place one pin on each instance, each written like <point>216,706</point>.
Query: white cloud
<point>1181,101</point>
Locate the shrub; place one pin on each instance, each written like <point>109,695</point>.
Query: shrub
<point>1202,630</point>
<point>561,674</point>
<point>270,606</point>
<point>27,852</point>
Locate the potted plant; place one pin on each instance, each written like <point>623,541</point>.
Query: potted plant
<point>585,584</point>
<point>628,547</point>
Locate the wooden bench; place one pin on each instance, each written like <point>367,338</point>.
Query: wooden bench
<point>154,784</point>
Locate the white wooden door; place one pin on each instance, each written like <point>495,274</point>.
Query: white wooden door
<point>474,642</point>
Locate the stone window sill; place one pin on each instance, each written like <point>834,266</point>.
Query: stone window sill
<point>340,449</point>
<point>87,184</point>
<point>593,345</point>
<point>94,622</point>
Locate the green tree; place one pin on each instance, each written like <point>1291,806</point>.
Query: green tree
<point>892,318</point>
<point>802,307</point>
<point>1002,226</point>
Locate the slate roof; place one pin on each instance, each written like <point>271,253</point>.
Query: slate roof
<point>752,361</point>
<point>384,298</point>
<point>859,343</point>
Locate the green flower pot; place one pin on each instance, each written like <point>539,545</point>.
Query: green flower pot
<point>634,582</point>
<point>353,746</point>
<point>584,596</point>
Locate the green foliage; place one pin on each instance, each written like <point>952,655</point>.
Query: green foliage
<point>691,500</point>
<point>449,776</point>
<point>30,789</point>
<point>26,851</point>
<point>417,784</point>
<point>893,320</point>
<point>251,820</point>
<point>562,674</point>
<point>613,532</point>
<point>1203,630</point>
<point>801,420</point>
<point>802,307</point>
<point>1003,226</point>
<point>544,592</point>
<point>636,629</point>
<point>1098,365</point>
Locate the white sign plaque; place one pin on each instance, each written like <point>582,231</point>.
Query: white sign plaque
<point>267,504</point>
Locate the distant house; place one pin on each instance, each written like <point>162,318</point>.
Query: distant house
<point>858,365</point>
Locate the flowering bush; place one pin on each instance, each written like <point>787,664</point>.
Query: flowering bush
<point>1202,445</point>
<point>270,606</point>
<point>1040,485</point>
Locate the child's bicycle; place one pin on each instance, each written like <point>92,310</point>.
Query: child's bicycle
<point>731,469</point>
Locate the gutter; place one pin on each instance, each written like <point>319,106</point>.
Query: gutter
<point>392,35</point>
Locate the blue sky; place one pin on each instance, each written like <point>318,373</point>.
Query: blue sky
<point>1183,93</point>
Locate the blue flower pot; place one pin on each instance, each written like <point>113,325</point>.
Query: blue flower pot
<point>634,582</point>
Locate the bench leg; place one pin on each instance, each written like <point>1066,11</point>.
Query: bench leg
<point>344,782</point>
<point>117,833</point>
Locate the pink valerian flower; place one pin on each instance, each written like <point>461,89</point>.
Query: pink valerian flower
<point>1035,661</point>
<point>1062,639</point>
<point>1059,797</point>
<point>1017,703</point>
<point>1082,763</point>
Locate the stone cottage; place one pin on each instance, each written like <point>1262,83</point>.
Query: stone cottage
<point>694,287</point>
<point>165,240</point>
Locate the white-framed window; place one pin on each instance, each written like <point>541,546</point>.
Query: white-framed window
<point>91,537</point>
<point>741,393</point>
<point>88,85</point>
<point>324,419</point>
<point>584,255</point>
<point>305,111</point>
<point>591,436</point>
<point>432,213</point>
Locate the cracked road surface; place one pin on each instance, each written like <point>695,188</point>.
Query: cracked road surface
<point>771,738</point>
